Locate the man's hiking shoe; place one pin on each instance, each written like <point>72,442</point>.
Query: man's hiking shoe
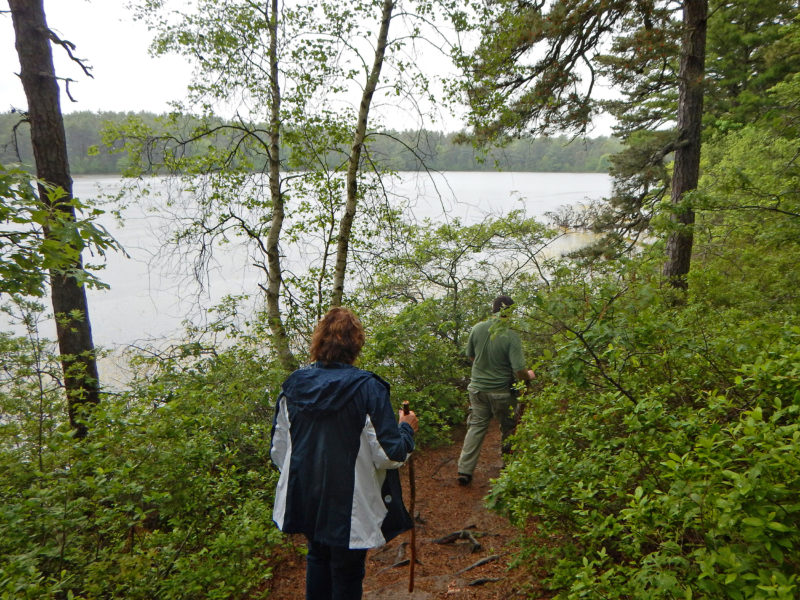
<point>464,479</point>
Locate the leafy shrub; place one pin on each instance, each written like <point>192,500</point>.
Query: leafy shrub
<point>423,365</point>
<point>169,497</point>
<point>660,453</point>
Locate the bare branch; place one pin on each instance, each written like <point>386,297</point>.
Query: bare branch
<point>69,47</point>
<point>15,139</point>
<point>67,81</point>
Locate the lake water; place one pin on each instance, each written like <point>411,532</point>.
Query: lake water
<point>150,296</point>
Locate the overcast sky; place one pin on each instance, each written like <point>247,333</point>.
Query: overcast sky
<point>125,76</point>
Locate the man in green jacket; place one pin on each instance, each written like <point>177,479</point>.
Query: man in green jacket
<point>497,361</point>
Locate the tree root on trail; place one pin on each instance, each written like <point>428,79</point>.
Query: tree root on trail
<point>481,562</point>
<point>483,580</point>
<point>462,535</point>
<point>441,464</point>
<point>476,546</point>
<point>399,563</point>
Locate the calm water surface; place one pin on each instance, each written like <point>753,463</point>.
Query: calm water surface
<point>151,293</point>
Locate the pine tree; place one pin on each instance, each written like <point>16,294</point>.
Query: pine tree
<point>542,68</point>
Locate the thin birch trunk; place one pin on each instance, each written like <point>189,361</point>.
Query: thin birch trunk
<point>354,161</point>
<point>279,337</point>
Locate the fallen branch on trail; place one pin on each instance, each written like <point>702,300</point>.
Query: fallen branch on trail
<point>481,562</point>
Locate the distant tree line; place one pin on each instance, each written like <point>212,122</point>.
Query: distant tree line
<point>404,151</point>
<point>440,151</point>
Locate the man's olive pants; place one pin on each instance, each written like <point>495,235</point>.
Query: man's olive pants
<point>501,404</point>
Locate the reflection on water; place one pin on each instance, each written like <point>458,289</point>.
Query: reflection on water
<point>570,242</point>
<point>151,295</point>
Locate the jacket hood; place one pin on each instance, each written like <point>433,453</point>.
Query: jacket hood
<point>325,388</point>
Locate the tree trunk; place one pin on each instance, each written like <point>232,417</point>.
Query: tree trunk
<point>279,337</point>
<point>70,308</point>
<point>687,156</point>
<point>354,161</point>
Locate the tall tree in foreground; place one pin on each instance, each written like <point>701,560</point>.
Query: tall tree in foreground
<point>70,307</point>
<point>686,169</point>
<point>259,58</point>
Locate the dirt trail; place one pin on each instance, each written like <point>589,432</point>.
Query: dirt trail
<point>443,507</point>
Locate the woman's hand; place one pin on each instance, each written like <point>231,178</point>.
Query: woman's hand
<point>411,419</point>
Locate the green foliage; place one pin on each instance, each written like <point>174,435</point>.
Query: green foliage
<point>170,495</point>
<point>659,454</point>
<point>527,73</point>
<point>27,255</point>
<point>435,281</point>
<point>752,46</point>
<point>660,449</point>
<point>750,211</point>
<point>31,404</point>
<point>412,351</point>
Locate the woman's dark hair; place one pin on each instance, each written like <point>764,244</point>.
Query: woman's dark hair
<point>338,337</point>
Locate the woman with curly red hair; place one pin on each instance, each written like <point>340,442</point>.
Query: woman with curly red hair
<point>337,446</point>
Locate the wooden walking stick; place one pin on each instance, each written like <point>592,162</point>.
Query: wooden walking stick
<point>412,500</point>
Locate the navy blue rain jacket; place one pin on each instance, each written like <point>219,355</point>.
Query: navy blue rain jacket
<point>337,444</point>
